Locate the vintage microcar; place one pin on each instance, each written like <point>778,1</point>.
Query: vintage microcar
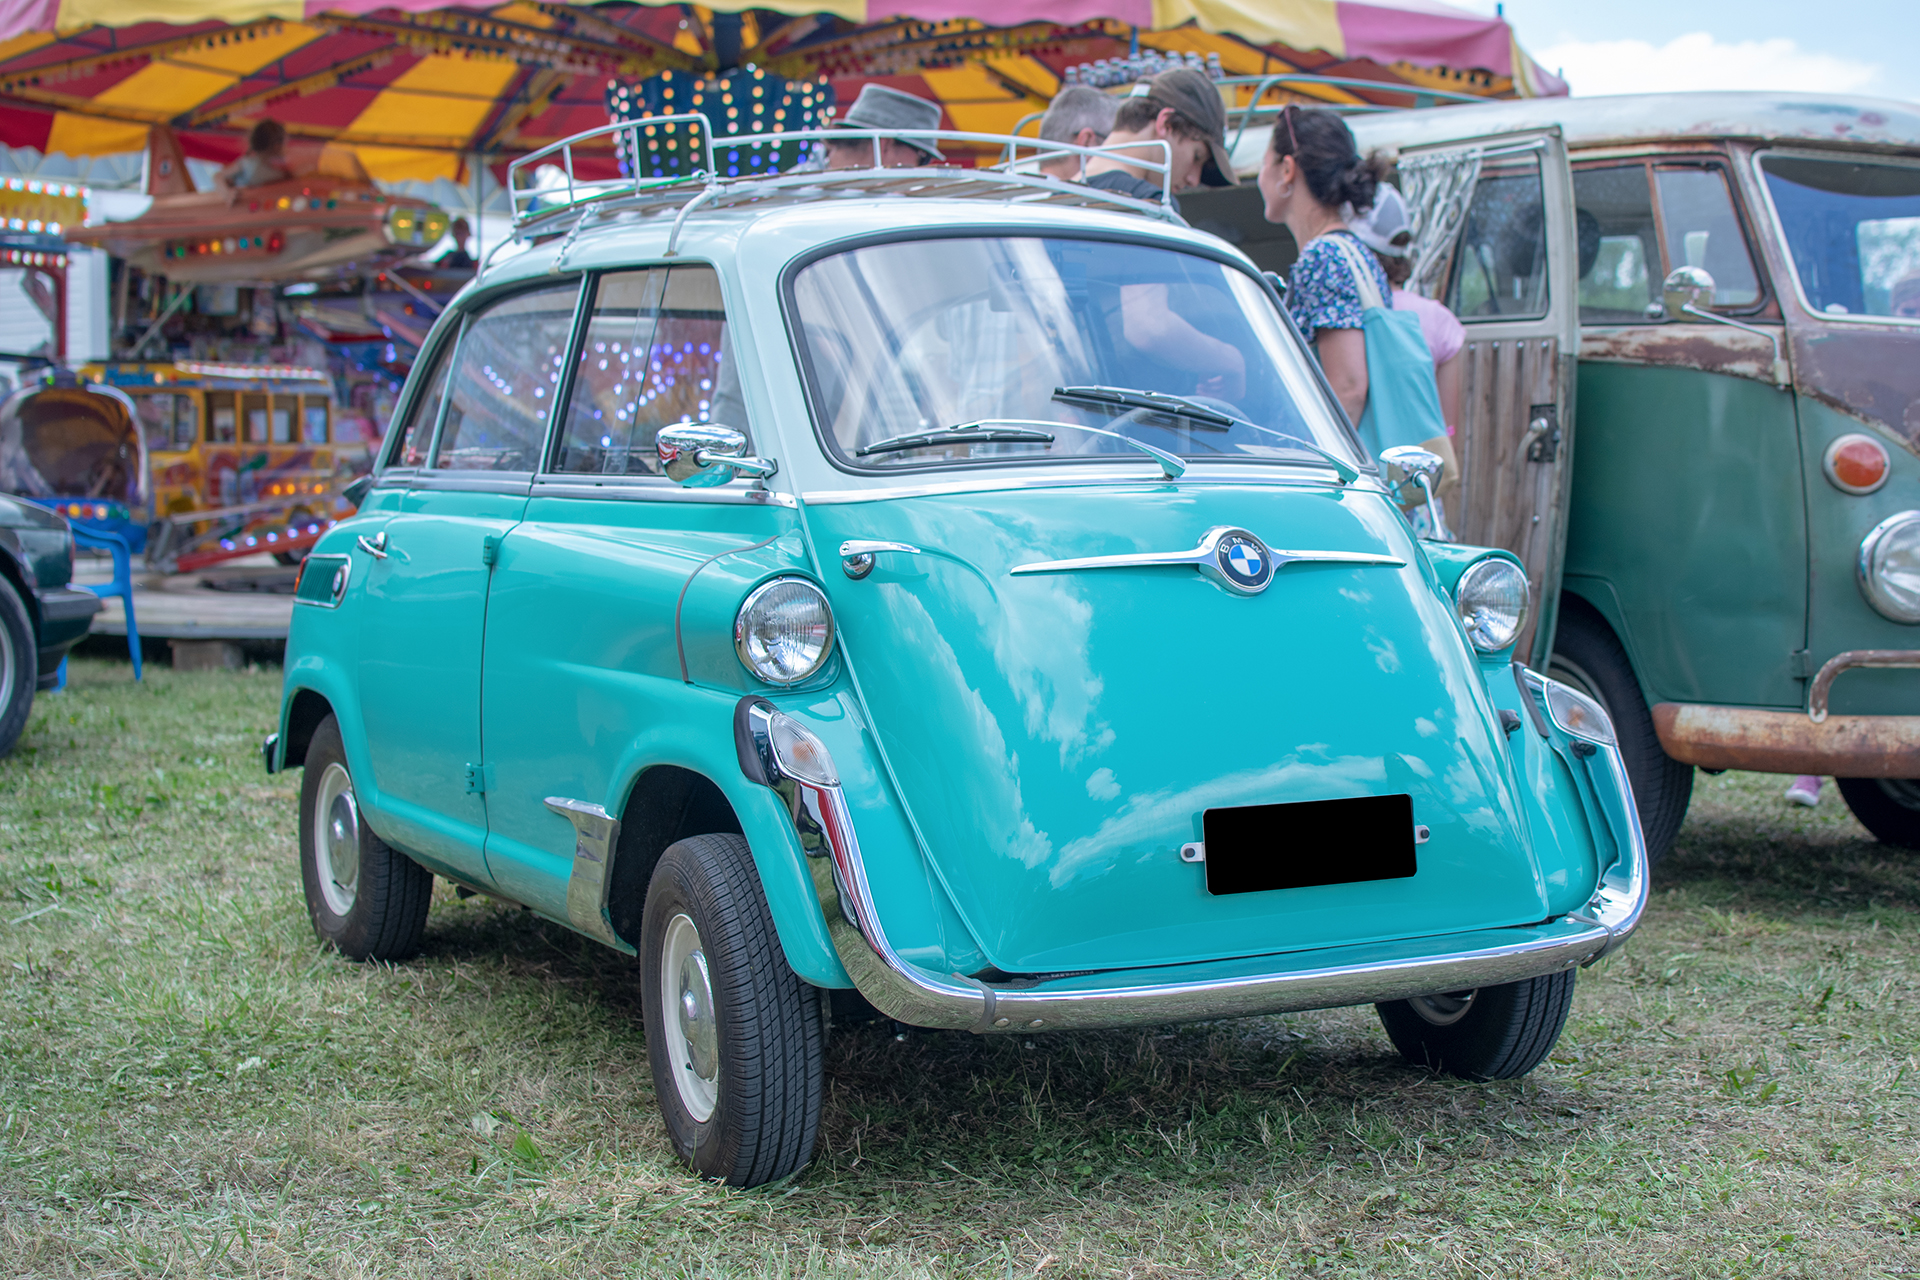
<point>847,580</point>
<point>1693,410</point>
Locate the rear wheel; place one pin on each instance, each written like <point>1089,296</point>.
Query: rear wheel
<point>1494,1033</point>
<point>1888,807</point>
<point>19,666</point>
<point>733,1035</point>
<point>366,898</point>
<point>1587,656</point>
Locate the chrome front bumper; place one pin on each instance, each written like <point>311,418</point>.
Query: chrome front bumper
<point>1320,979</point>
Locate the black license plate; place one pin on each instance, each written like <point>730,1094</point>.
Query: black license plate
<point>1292,846</point>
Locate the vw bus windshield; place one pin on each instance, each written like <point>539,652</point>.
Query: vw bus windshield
<point>967,352</point>
<point>1853,230</point>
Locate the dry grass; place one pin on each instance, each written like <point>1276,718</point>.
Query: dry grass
<point>190,1087</point>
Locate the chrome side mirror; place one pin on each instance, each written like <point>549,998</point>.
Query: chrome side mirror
<point>701,455</point>
<point>1412,473</point>
<point>1687,291</point>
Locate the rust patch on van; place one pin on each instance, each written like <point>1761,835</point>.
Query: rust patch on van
<point>1867,373</point>
<point>1789,741</point>
<point>1712,348</point>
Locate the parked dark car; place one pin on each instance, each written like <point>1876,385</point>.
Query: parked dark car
<point>42,615</point>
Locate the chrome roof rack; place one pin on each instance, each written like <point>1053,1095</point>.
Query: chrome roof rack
<point>541,205</point>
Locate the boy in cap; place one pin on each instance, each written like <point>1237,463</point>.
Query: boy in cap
<point>1181,108</point>
<point>879,107</point>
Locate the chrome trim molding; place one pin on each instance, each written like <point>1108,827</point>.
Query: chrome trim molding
<point>651,489</point>
<point>1255,985</point>
<point>596,833</point>
<point>1213,558</point>
<point>1299,475</point>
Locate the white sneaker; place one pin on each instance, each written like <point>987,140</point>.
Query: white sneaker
<point>1804,790</point>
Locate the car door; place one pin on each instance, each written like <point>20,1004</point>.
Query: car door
<point>581,653</point>
<point>427,585</point>
<point>1508,271</point>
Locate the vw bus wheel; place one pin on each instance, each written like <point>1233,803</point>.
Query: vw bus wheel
<point>367,899</point>
<point>1588,656</point>
<point>1495,1033</point>
<point>19,666</point>
<point>733,1035</point>
<point>1888,807</point>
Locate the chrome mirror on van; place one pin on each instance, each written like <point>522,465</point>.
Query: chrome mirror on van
<point>1688,294</point>
<point>700,455</point>
<point>1686,291</point>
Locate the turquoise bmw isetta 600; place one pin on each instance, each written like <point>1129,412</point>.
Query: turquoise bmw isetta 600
<point>951,584</point>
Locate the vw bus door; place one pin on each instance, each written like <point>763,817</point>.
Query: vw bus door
<point>1495,241</point>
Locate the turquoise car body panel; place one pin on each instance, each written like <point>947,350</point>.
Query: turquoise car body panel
<point>1022,755</point>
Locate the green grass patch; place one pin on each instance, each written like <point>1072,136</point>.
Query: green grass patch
<point>190,1086</point>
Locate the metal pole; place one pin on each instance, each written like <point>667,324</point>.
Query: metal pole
<point>478,162</point>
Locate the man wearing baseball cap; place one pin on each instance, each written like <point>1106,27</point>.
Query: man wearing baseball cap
<point>1181,108</point>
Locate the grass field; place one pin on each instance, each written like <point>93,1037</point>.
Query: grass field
<point>190,1086</point>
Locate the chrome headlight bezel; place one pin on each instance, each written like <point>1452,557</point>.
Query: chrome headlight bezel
<point>1487,626</point>
<point>1897,533</point>
<point>750,641</point>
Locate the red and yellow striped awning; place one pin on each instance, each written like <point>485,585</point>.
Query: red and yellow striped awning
<point>418,88</point>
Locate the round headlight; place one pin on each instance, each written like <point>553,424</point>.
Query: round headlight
<point>1890,567</point>
<point>1492,600</point>
<point>784,630</point>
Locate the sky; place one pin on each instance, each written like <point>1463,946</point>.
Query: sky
<point>1631,46</point>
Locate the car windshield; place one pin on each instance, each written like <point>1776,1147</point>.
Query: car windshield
<point>1853,229</point>
<point>976,351</point>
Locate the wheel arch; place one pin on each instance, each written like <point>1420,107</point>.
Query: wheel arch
<point>1593,600</point>
<point>667,803</point>
<point>306,709</point>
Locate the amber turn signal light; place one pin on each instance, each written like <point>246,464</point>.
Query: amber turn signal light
<point>1856,463</point>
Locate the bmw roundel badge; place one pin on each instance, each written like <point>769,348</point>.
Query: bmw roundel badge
<point>1245,563</point>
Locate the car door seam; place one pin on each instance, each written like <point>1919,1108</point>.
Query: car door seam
<point>679,640</point>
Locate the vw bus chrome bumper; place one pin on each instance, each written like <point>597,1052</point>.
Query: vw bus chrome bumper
<point>1323,978</point>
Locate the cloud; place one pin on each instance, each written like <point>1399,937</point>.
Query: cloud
<point>1699,61</point>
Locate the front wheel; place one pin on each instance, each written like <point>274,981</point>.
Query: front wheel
<point>367,899</point>
<point>1888,807</point>
<point>1494,1033</point>
<point>733,1035</point>
<point>19,666</point>
<point>1588,656</point>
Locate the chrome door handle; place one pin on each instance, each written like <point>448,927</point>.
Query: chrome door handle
<point>376,548</point>
<point>856,557</point>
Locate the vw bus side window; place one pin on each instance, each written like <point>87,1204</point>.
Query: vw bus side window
<point>410,449</point>
<point>503,390</point>
<point>655,353</point>
<point>1500,271</point>
<point>1619,246</point>
<point>1702,230</point>
<point>1853,232</point>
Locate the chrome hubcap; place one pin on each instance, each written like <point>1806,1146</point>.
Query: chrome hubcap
<point>336,824</point>
<point>686,1000</point>
<point>1443,1011</point>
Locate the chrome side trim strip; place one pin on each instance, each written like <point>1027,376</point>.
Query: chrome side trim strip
<point>596,833</point>
<point>1299,476</point>
<point>917,997</point>
<point>651,489</point>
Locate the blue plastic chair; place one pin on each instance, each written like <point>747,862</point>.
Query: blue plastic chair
<point>122,584</point>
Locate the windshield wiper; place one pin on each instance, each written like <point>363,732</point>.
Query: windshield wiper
<point>964,433</point>
<point>1017,430</point>
<point>1159,402</point>
<point>1181,407</point>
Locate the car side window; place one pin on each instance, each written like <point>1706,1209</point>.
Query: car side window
<point>655,353</point>
<point>1702,230</point>
<point>1500,271</point>
<point>1619,244</point>
<point>505,380</point>
<point>410,449</point>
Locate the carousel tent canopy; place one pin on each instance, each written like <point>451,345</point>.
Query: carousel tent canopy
<point>420,90</point>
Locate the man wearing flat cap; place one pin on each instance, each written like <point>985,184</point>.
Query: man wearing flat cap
<point>1181,108</point>
<point>879,107</point>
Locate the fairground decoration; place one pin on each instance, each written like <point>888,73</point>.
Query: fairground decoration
<point>747,99</point>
